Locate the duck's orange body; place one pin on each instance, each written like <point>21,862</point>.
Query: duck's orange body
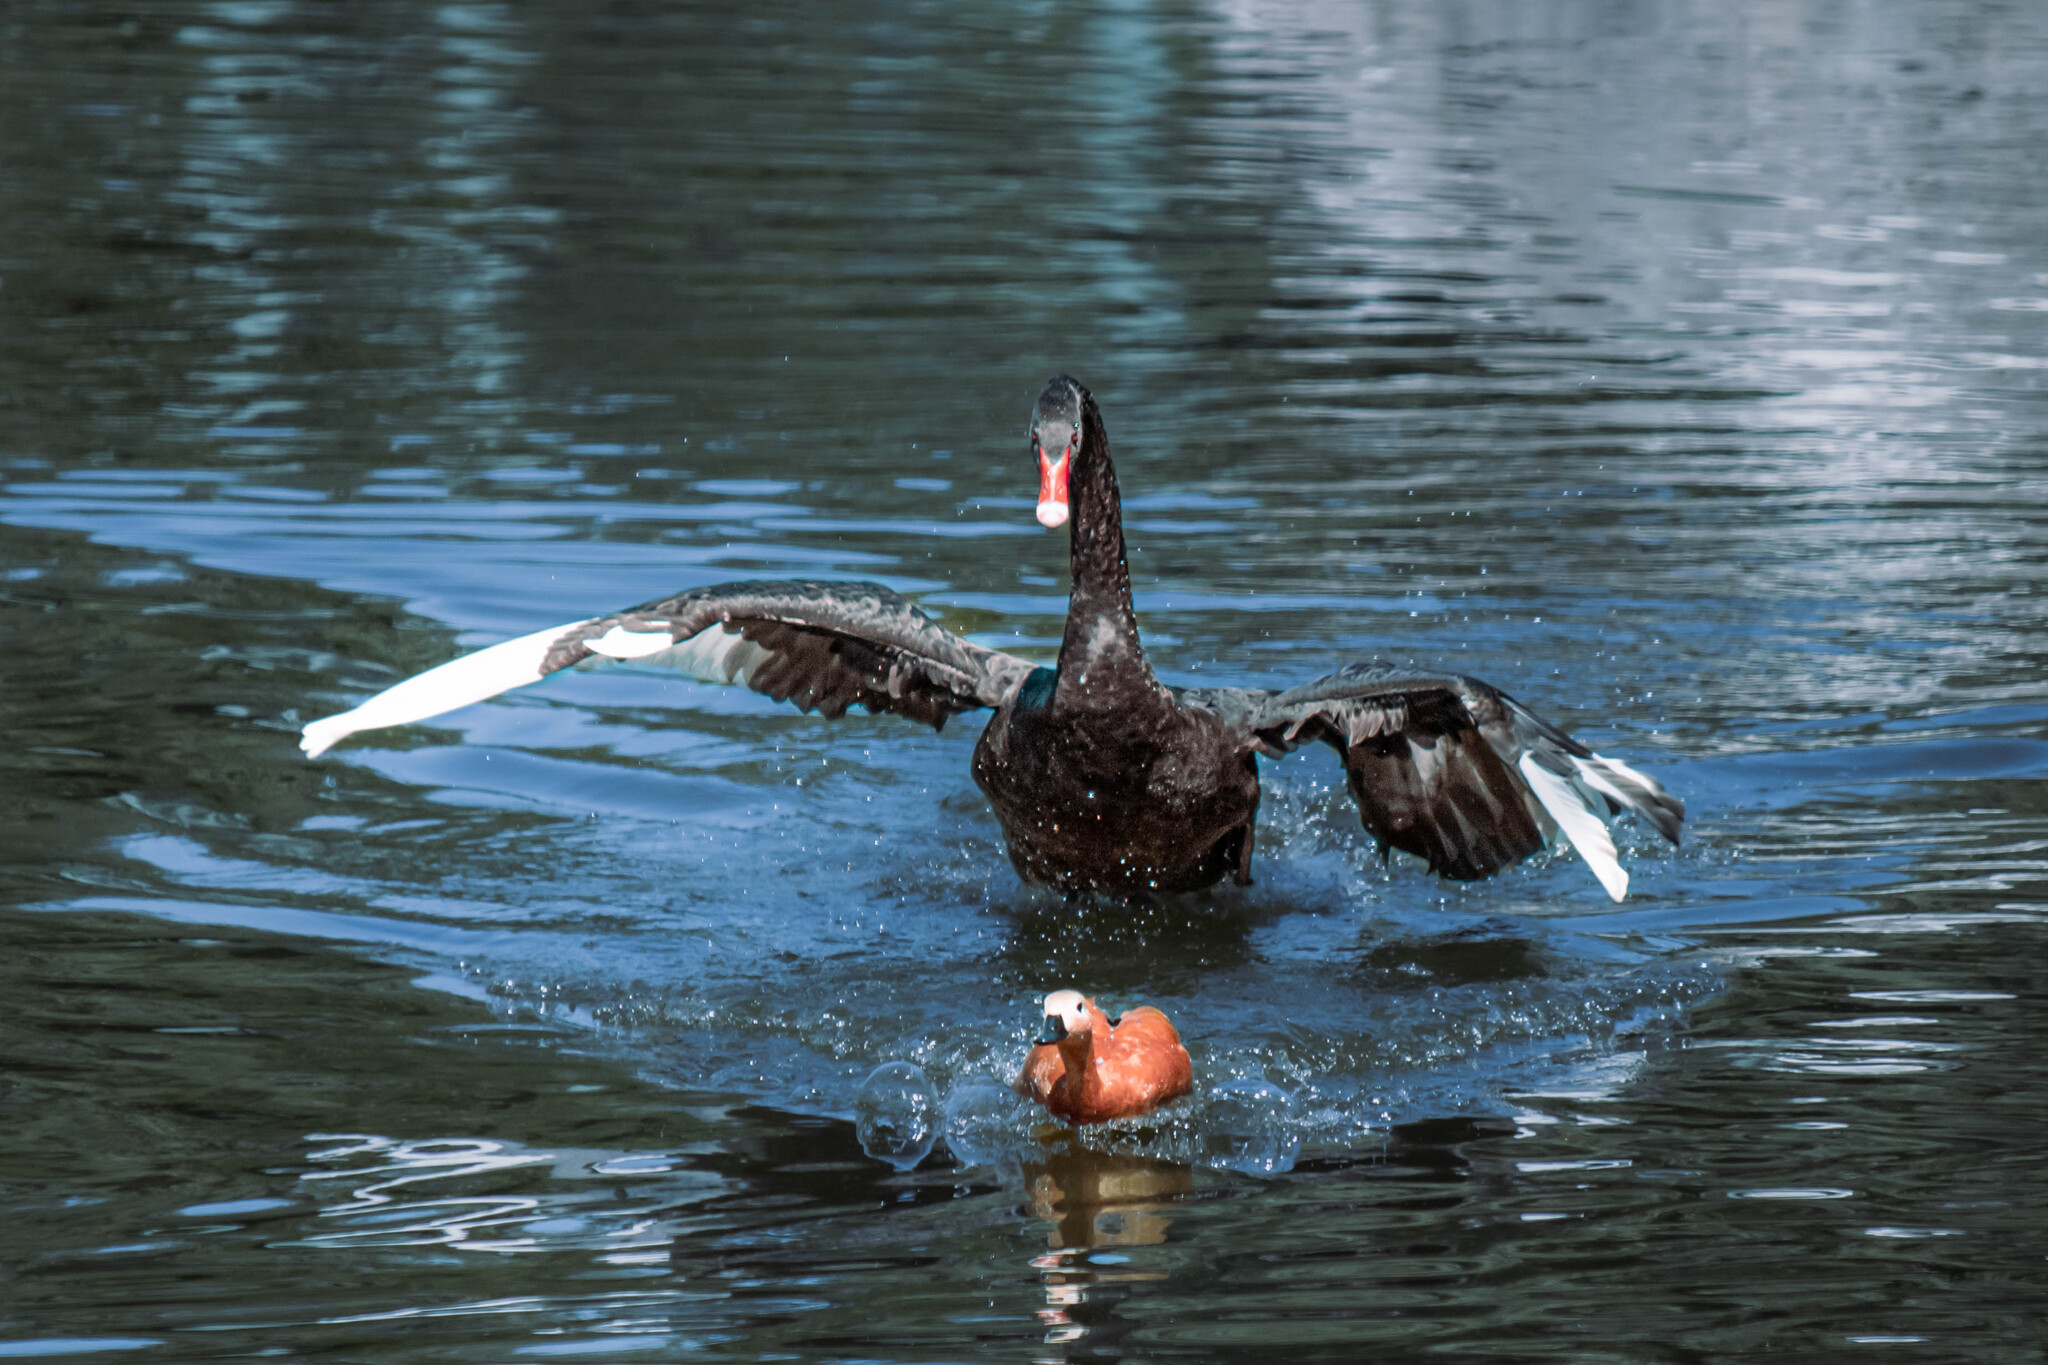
<point>1096,1071</point>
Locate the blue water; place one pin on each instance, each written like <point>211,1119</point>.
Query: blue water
<point>1678,369</point>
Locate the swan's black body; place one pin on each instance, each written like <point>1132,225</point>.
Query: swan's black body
<point>1153,796</point>
<point>1104,778</point>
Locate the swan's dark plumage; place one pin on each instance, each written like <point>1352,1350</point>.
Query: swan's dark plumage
<point>1103,777</point>
<point>827,646</point>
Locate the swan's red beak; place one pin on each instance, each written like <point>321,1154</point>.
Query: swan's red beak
<point>1052,489</point>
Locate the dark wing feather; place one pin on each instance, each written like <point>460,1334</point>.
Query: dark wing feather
<point>824,646</point>
<point>1426,779</point>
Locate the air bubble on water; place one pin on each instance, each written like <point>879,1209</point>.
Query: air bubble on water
<point>896,1114</point>
<point>1250,1127</point>
<point>980,1122</point>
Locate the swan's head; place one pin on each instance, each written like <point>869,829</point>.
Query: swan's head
<point>1066,1012</point>
<point>1055,440</point>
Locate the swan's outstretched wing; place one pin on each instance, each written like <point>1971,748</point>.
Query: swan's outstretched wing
<point>823,645</point>
<point>1456,771</point>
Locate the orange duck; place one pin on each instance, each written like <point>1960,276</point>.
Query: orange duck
<point>1091,1068</point>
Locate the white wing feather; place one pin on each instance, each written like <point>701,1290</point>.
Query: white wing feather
<point>471,678</point>
<point>714,655</point>
<point>620,643</point>
<point>1586,830</point>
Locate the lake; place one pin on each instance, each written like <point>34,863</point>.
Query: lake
<point>1680,369</point>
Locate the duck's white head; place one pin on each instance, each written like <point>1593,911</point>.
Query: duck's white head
<point>1066,1012</point>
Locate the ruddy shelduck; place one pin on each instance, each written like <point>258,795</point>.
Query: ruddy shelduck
<point>1089,1068</point>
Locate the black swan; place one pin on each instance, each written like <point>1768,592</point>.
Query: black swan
<point>1103,777</point>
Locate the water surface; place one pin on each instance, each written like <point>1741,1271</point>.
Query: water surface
<point>1679,369</point>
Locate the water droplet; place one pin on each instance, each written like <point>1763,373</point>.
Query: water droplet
<point>896,1114</point>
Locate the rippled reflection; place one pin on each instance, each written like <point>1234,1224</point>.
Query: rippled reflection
<point>1104,1199</point>
<point>1096,1201</point>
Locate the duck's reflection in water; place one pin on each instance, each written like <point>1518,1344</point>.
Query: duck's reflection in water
<point>1097,1201</point>
<point>1104,1199</point>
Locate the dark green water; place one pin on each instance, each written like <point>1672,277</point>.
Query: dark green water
<point>1682,369</point>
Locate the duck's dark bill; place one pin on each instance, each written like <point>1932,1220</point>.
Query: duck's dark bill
<point>1052,490</point>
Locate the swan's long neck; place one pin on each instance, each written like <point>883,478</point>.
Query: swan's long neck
<point>1101,662</point>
